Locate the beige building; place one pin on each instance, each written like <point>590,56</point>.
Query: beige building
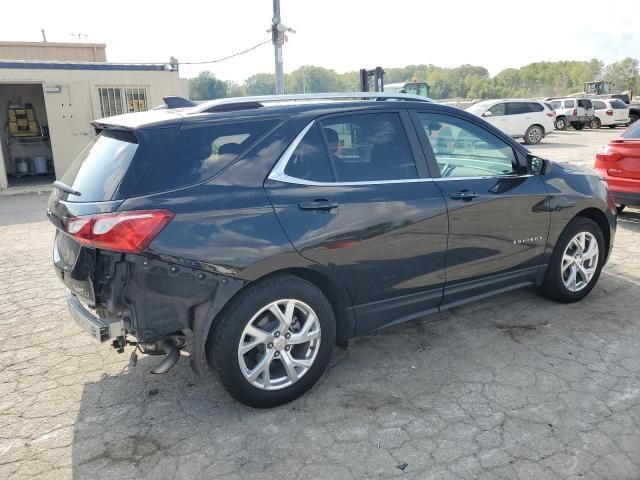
<point>47,106</point>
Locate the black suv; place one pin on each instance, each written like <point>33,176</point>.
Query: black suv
<point>259,232</point>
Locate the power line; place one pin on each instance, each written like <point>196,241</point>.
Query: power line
<point>205,61</point>
<point>228,56</point>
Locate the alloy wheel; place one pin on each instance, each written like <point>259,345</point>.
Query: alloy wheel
<point>579,261</point>
<point>279,344</point>
<point>535,135</point>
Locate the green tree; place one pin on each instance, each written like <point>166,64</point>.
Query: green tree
<point>260,84</point>
<point>207,87</point>
<point>312,79</point>
<point>624,74</point>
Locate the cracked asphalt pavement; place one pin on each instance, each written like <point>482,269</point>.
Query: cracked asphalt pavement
<point>514,387</point>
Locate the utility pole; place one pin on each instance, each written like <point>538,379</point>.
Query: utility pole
<point>278,38</point>
<point>44,36</point>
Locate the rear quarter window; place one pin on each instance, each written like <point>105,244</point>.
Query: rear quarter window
<point>569,103</point>
<point>199,152</point>
<point>618,104</point>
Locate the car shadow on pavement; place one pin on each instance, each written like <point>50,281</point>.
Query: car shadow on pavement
<point>516,376</point>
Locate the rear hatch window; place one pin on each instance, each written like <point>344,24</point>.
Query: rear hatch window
<point>99,169</point>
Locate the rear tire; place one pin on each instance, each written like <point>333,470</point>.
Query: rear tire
<point>277,366</point>
<point>569,261</point>
<point>577,125</point>
<point>561,123</point>
<point>612,126</point>
<point>595,123</point>
<point>533,135</point>
<point>620,208</point>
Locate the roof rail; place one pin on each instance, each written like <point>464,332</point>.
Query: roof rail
<point>237,103</point>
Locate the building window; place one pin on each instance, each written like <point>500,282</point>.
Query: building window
<point>119,100</point>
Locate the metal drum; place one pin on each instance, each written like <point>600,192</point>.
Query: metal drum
<point>39,164</point>
<point>22,166</point>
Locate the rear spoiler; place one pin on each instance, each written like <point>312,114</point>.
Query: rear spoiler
<point>173,101</point>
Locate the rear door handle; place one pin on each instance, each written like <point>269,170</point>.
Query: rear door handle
<point>318,204</point>
<point>463,195</point>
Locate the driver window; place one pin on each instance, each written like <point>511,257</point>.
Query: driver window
<point>463,149</point>
<point>498,109</point>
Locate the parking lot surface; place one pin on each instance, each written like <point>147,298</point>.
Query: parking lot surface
<point>514,387</point>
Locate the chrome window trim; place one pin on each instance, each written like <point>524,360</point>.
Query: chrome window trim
<point>277,173</point>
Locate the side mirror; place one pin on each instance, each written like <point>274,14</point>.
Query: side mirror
<point>536,165</point>
<point>487,114</point>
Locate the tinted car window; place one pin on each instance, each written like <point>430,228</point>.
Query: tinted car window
<point>517,108</point>
<point>584,103</point>
<point>498,110</point>
<point>633,131</point>
<point>556,104</point>
<point>369,147</point>
<point>569,103</point>
<point>462,149</point>
<point>99,169</point>
<point>198,152</point>
<point>599,105</point>
<point>535,107</point>
<point>310,160</point>
<point>618,104</point>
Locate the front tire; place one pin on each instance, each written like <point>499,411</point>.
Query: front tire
<point>577,125</point>
<point>273,341</point>
<point>576,262</point>
<point>533,135</point>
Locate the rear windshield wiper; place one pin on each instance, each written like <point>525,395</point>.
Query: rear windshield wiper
<point>66,188</point>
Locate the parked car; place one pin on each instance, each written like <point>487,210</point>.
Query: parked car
<point>530,120</point>
<point>619,164</point>
<point>577,112</point>
<point>609,113</point>
<point>266,231</point>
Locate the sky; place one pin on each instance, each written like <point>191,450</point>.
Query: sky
<point>338,34</point>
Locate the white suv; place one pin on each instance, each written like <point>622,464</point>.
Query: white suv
<point>527,119</point>
<point>577,112</point>
<point>609,112</point>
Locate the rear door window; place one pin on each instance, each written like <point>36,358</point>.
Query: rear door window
<point>556,104</point>
<point>198,152</point>
<point>599,105</point>
<point>517,108</point>
<point>584,103</point>
<point>369,147</point>
<point>569,103</point>
<point>310,160</point>
<point>99,169</point>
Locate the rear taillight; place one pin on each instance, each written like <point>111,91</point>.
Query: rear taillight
<point>609,112</point>
<point>575,112</point>
<point>128,232</point>
<point>608,155</point>
<point>551,114</point>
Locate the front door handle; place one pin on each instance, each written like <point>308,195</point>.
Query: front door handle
<point>463,195</point>
<point>318,204</point>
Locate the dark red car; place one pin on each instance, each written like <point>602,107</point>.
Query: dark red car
<point>619,164</point>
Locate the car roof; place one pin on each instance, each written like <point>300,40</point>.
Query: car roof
<point>253,107</point>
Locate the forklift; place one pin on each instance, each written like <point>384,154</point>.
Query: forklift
<point>377,74</point>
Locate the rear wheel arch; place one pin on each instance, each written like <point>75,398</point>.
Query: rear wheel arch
<point>336,294</point>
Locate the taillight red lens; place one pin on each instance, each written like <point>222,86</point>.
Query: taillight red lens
<point>551,114</point>
<point>128,232</point>
<point>609,112</point>
<point>575,112</point>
